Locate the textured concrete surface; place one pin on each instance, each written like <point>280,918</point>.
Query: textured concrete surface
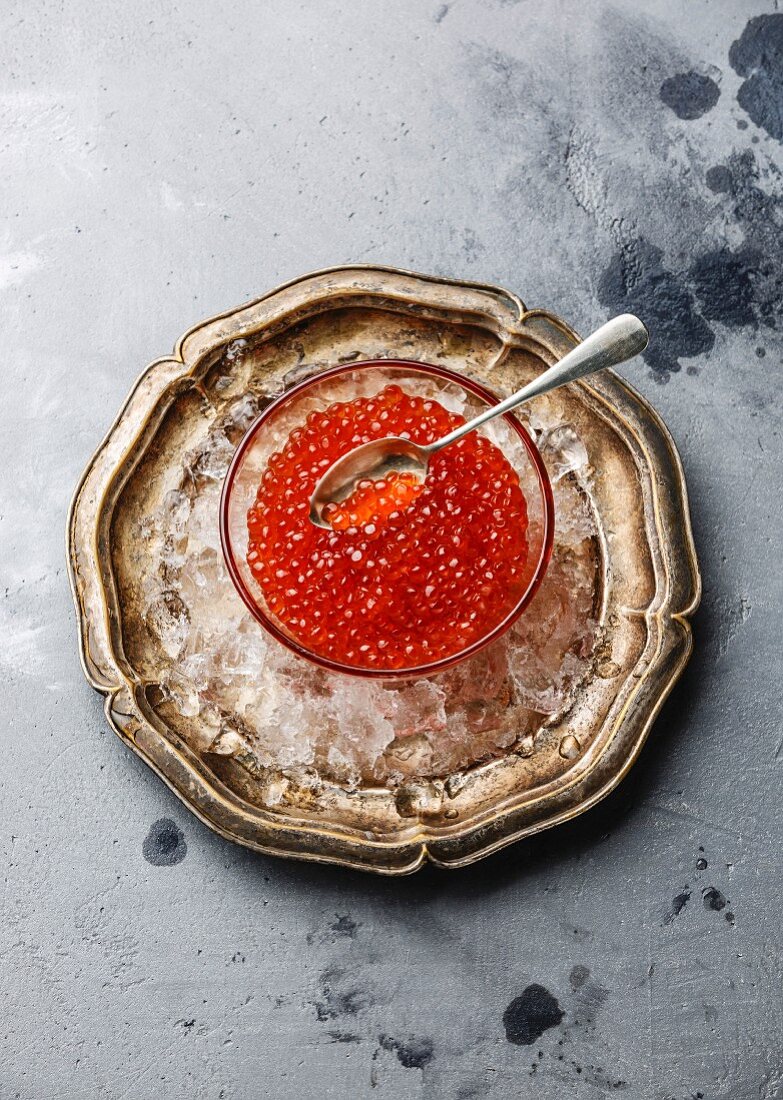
<point>163,162</point>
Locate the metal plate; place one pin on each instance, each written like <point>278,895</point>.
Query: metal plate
<point>649,575</point>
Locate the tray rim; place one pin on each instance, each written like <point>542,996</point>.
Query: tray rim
<point>418,845</point>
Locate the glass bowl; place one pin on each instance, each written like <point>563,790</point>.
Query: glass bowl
<point>456,392</point>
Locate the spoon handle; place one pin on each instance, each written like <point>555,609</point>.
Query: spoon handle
<point>613,343</point>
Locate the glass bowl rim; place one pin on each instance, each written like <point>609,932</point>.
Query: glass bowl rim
<point>422,367</point>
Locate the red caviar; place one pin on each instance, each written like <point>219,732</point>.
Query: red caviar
<point>374,501</point>
<point>411,573</point>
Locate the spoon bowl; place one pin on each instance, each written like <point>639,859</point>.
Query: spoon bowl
<point>374,460</point>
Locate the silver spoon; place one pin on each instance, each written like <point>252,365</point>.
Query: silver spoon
<point>618,340</point>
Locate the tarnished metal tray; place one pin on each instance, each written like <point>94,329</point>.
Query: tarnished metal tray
<point>649,580</point>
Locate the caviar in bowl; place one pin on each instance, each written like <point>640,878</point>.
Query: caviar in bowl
<point>411,579</point>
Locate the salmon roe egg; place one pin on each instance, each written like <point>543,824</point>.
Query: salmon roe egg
<point>411,572</point>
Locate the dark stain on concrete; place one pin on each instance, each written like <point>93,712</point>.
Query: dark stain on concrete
<point>759,214</point>
<point>442,12</point>
<point>411,1053</point>
<point>528,1016</point>
<point>471,1090</point>
<point>739,287</point>
<point>344,926</point>
<point>589,998</point>
<point>718,179</point>
<point>165,844</point>
<point>637,281</point>
<point>758,56</point>
<point>579,976</point>
<point>600,1078</point>
<point>591,1074</point>
<point>338,996</point>
<point>723,284</point>
<point>690,95</point>
<point>344,1037</point>
<point>687,281</point>
<point>717,261</point>
<point>678,904</point>
<point>713,899</point>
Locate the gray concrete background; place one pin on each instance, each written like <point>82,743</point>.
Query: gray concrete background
<point>161,163</point>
